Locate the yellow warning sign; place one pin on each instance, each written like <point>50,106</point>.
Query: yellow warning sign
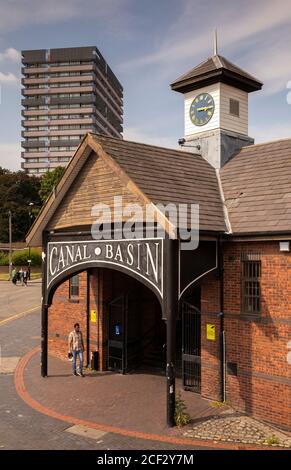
<point>93,316</point>
<point>210,331</point>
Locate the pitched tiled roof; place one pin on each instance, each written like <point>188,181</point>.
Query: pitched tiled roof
<point>257,188</point>
<point>170,176</point>
<point>214,69</point>
<point>256,183</point>
<point>161,175</point>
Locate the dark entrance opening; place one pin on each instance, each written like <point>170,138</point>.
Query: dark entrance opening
<point>124,334</point>
<point>136,330</point>
<point>116,335</point>
<point>191,341</point>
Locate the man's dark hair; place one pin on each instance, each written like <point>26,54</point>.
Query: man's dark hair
<point>76,324</point>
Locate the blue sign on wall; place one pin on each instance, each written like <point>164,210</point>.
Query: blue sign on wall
<point>117,330</point>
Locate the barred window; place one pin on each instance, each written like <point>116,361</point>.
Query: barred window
<point>251,286</point>
<point>74,286</point>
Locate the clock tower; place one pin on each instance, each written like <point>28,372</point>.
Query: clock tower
<point>216,108</point>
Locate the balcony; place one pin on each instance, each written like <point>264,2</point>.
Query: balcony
<point>32,144</point>
<point>49,69</point>
<point>76,100</point>
<point>29,123</point>
<point>45,112</point>
<point>33,101</point>
<point>56,133</point>
<point>47,154</point>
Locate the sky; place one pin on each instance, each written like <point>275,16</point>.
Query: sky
<point>148,44</point>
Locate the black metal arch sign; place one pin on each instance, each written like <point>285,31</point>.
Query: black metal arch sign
<point>142,258</point>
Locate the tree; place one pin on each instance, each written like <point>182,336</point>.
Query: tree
<point>18,191</point>
<point>49,180</point>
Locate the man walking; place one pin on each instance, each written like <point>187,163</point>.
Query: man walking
<point>14,276</point>
<point>76,347</point>
<point>25,277</point>
<point>20,272</point>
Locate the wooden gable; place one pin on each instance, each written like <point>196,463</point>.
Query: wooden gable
<point>96,183</point>
<point>144,175</point>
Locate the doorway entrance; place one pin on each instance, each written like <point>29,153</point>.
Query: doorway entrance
<point>124,334</point>
<point>191,347</point>
<point>136,330</point>
<point>191,341</point>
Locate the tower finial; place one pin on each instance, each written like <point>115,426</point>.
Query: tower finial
<point>215,41</point>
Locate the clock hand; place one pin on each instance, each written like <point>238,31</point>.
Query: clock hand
<point>204,108</point>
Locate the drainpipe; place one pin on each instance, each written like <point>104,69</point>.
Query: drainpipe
<point>88,317</point>
<point>221,316</point>
<point>44,309</point>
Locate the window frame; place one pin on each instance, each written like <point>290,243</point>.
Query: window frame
<point>72,294</point>
<point>253,278</point>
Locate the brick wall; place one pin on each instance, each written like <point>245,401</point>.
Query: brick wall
<point>210,362</point>
<point>65,312</point>
<point>258,346</point>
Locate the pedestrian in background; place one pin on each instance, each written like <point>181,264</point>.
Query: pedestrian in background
<point>20,272</point>
<point>25,277</point>
<point>76,348</point>
<point>14,276</point>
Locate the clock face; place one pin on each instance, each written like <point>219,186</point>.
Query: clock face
<point>202,109</point>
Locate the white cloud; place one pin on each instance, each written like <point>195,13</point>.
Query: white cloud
<point>17,13</point>
<point>8,79</point>
<point>252,31</point>
<point>187,37</point>
<point>10,54</point>
<point>270,65</point>
<point>10,156</point>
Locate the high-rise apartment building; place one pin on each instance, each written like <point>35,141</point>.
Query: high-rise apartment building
<point>66,93</point>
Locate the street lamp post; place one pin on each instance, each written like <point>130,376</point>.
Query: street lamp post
<point>10,243</point>
<point>30,218</point>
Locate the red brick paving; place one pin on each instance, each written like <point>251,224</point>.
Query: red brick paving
<point>132,405</point>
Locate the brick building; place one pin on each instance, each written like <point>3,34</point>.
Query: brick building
<point>217,316</point>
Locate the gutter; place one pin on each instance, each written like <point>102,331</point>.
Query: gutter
<point>225,211</point>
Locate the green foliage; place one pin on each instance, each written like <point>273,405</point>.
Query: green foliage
<point>49,180</point>
<point>4,260</point>
<point>20,258</point>
<point>272,440</point>
<point>219,404</point>
<point>181,415</point>
<point>18,191</point>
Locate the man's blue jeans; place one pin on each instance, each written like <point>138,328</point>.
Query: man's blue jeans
<point>80,355</point>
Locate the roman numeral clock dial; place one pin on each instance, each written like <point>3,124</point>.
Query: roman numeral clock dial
<point>202,109</point>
